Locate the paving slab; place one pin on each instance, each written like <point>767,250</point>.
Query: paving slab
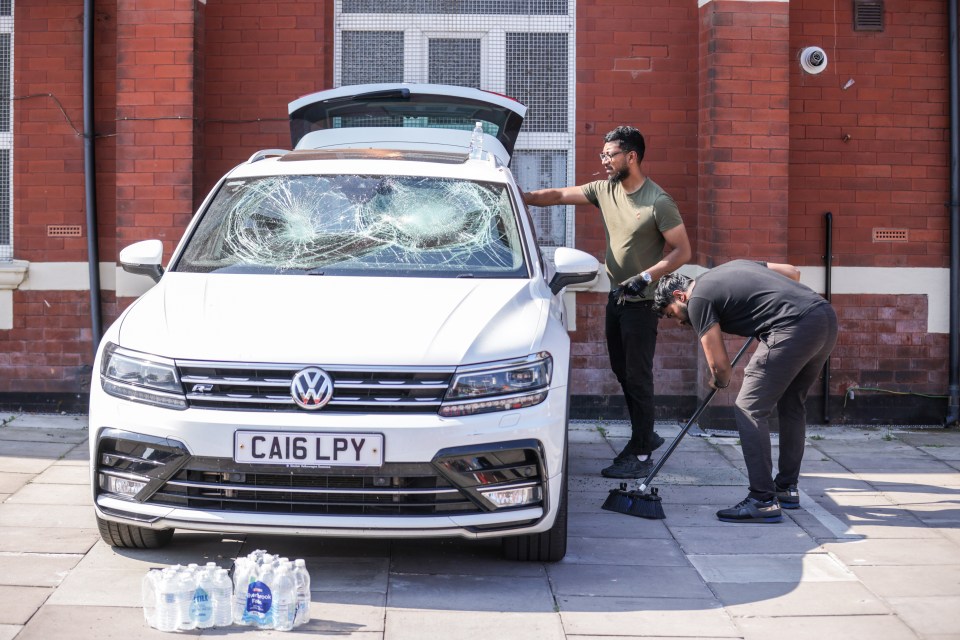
<point>625,552</point>
<point>570,579</point>
<point>39,434</point>
<point>337,612</point>
<point>12,449</point>
<point>887,627</point>
<point>37,493</point>
<point>759,599</point>
<point>38,515</point>
<point>185,548</point>
<point>428,624</point>
<point>36,569</point>
<point>92,623</point>
<point>469,593</point>
<point>929,615</point>
<point>12,482</point>
<point>783,567</point>
<point>608,524</point>
<point>936,552</point>
<point>892,581</point>
<point>20,603</point>
<point>73,421</point>
<point>651,616</point>
<point>457,557</point>
<point>9,631</point>
<point>60,473</point>
<point>726,538</point>
<point>25,539</point>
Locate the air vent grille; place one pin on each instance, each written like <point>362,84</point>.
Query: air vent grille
<point>891,235</point>
<point>64,231</point>
<point>868,15</point>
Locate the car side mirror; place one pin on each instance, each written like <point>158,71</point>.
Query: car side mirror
<point>143,259</point>
<point>573,267</point>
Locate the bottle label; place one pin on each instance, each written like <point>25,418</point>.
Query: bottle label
<point>201,608</point>
<point>259,600</point>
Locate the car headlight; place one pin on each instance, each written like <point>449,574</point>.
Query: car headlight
<point>499,386</point>
<point>141,378</point>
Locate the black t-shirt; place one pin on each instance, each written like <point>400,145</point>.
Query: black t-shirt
<point>748,299</point>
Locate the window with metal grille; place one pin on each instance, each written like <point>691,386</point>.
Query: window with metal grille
<point>6,129</point>
<point>479,44</point>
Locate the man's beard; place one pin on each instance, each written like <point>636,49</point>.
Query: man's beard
<point>618,176</point>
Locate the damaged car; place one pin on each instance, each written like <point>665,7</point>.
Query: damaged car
<point>357,337</point>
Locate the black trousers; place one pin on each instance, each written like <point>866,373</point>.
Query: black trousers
<point>775,385</point>
<point>631,330</point>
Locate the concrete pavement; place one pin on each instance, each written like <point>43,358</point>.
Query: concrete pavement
<point>873,553</point>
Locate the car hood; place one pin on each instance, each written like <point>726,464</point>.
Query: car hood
<point>336,320</point>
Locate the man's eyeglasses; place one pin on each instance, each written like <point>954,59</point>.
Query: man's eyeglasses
<point>609,156</point>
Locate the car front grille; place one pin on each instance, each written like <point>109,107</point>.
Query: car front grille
<point>261,387</point>
<point>393,489</point>
<point>451,484</point>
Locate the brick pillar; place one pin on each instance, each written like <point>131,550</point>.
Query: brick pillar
<point>743,130</point>
<point>156,119</point>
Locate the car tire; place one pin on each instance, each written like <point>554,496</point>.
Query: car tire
<point>549,546</point>
<point>127,536</point>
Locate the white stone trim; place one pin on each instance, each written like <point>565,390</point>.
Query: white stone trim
<point>701,3</point>
<point>11,275</point>
<point>74,276</point>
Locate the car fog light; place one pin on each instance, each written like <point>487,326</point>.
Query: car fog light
<point>122,486</point>
<point>516,497</point>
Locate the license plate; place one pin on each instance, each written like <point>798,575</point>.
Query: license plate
<point>309,449</point>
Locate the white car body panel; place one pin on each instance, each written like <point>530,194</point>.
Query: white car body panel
<point>447,324</point>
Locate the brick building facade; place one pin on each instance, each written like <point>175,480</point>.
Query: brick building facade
<point>755,150</point>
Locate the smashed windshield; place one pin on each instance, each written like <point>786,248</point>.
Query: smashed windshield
<point>358,225</point>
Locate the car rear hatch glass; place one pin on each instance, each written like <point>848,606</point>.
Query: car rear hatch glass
<point>399,105</point>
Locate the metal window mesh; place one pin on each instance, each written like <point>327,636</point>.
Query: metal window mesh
<point>458,7</point>
<point>455,61</point>
<point>6,134</point>
<point>537,75</point>
<point>375,56</point>
<point>6,7</point>
<point>479,44</point>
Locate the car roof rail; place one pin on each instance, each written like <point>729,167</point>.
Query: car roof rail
<point>267,153</point>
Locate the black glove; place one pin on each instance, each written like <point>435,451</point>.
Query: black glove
<point>632,287</point>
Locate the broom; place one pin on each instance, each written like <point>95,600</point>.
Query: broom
<point>644,502</point>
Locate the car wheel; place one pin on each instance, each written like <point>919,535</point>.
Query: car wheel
<point>549,546</point>
<point>128,536</point>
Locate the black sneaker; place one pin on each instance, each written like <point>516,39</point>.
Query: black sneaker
<point>751,510</point>
<point>789,498</point>
<point>626,452</point>
<point>628,467</point>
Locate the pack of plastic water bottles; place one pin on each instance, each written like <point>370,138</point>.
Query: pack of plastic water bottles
<point>267,592</point>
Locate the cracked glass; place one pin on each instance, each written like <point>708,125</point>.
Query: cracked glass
<point>358,225</point>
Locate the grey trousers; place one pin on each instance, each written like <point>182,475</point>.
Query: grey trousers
<point>775,384</point>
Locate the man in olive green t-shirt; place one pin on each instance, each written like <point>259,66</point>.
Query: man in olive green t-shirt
<point>639,219</point>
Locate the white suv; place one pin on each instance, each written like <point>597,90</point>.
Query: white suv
<point>358,337</point>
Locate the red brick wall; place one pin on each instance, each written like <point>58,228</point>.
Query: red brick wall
<point>632,68</point>
<point>875,154</point>
<point>258,57</point>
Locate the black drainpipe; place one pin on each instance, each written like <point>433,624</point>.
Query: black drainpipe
<point>90,175</point>
<point>953,405</point>
<point>828,294</point>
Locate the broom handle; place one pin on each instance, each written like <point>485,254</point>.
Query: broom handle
<point>696,414</point>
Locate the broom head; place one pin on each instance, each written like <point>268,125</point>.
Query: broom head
<point>642,504</point>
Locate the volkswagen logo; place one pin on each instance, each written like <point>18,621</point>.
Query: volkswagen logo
<point>311,388</point>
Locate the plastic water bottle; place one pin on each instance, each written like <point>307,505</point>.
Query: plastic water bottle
<point>168,600</point>
<point>301,578</point>
<point>222,599</point>
<point>476,142</point>
<point>285,599</point>
<point>243,570</point>
<point>260,602</point>
<point>201,610</point>
<point>187,587</point>
<point>150,594</point>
